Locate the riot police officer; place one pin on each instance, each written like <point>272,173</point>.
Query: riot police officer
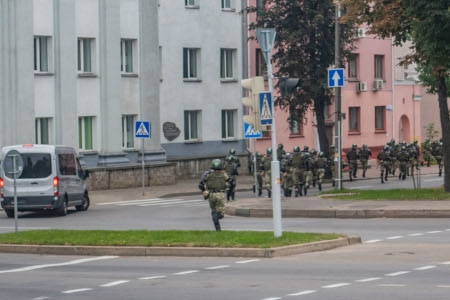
<point>364,155</point>
<point>216,183</point>
<point>280,152</point>
<point>352,159</point>
<point>298,164</point>
<point>230,168</point>
<point>385,160</point>
<point>319,166</point>
<point>266,166</point>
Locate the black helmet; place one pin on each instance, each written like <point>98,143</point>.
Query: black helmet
<point>305,148</point>
<point>364,146</point>
<point>258,154</point>
<point>280,146</point>
<point>296,149</point>
<point>354,146</point>
<point>269,151</point>
<point>320,154</point>
<point>217,164</point>
<point>332,146</point>
<point>229,158</point>
<point>232,151</point>
<point>386,148</point>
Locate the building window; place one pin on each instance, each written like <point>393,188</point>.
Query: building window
<point>228,120</point>
<point>354,119</point>
<point>353,66</point>
<point>260,4</point>
<point>41,53</point>
<point>380,118</point>
<point>190,57</point>
<point>85,50</point>
<point>128,131</point>
<point>226,4</point>
<point>191,3</point>
<point>379,66</point>
<point>266,134</point>
<point>261,66</point>
<point>126,55</point>
<point>191,124</point>
<point>295,125</point>
<point>43,130</point>
<point>85,131</point>
<point>226,63</point>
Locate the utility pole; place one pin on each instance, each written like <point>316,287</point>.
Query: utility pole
<point>337,104</point>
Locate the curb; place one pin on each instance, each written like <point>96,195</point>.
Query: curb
<point>180,251</point>
<point>339,213</point>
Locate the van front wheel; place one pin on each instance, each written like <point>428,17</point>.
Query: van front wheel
<point>62,210</point>
<point>85,205</point>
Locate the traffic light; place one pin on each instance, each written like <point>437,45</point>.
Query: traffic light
<point>287,85</point>
<point>255,85</point>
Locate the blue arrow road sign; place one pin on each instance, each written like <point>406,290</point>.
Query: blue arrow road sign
<point>142,129</point>
<point>265,108</point>
<point>250,133</point>
<point>335,78</point>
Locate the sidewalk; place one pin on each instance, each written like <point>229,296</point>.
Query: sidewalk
<point>305,206</point>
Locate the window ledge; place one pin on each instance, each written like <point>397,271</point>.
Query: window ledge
<point>193,7</point>
<point>37,73</point>
<point>354,133</point>
<point>228,9</point>
<point>353,80</point>
<point>87,75</point>
<point>129,75</point>
<point>193,142</point>
<point>380,131</point>
<point>296,136</point>
<point>192,80</point>
<point>228,140</point>
<point>227,80</point>
<point>88,151</point>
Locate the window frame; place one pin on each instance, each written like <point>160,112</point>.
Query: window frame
<point>227,5</point>
<point>380,112</point>
<point>353,66</point>
<point>260,63</point>
<point>192,125</point>
<point>228,123</point>
<point>190,54</point>
<point>227,63</point>
<point>86,55</point>
<point>129,59</point>
<point>128,122</point>
<point>296,127</point>
<point>354,116</point>
<point>191,3</point>
<point>86,131</point>
<point>43,130</point>
<point>378,71</point>
<point>41,42</point>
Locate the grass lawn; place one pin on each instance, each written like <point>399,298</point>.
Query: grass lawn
<point>437,193</point>
<point>164,238</point>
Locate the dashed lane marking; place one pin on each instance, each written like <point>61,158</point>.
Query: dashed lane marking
<point>247,261</point>
<point>336,285</point>
<point>186,272</point>
<point>76,291</point>
<point>372,241</point>
<point>217,267</point>
<point>394,237</point>
<point>397,273</point>
<point>114,283</point>
<point>152,277</point>
<point>424,268</point>
<point>302,293</point>
<point>368,279</point>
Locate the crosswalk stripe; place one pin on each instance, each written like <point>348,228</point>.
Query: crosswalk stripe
<point>169,202</point>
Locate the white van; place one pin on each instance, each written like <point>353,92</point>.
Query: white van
<point>51,179</point>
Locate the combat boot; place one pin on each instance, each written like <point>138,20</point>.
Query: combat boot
<point>382,179</point>
<point>232,196</point>
<point>254,189</point>
<point>334,182</point>
<point>269,193</point>
<point>354,175</point>
<point>314,183</point>
<point>228,195</point>
<point>440,172</point>
<point>385,178</point>
<point>350,175</point>
<point>364,174</point>
<point>305,190</point>
<point>259,192</point>
<point>215,219</point>
<point>320,186</point>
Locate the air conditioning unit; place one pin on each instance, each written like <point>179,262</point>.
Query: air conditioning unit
<point>377,84</point>
<point>361,32</point>
<point>361,86</point>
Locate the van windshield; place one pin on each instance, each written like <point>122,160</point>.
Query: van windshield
<point>36,165</point>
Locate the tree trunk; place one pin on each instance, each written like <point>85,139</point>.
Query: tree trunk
<point>445,128</point>
<point>319,106</point>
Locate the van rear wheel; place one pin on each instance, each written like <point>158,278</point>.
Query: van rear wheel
<point>9,213</point>
<point>62,210</point>
<point>85,205</point>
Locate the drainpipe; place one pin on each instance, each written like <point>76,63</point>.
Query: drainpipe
<point>393,89</point>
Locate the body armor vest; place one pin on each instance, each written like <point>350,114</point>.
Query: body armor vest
<point>216,181</point>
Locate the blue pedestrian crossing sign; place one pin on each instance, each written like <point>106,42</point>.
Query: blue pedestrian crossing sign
<point>251,133</point>
<point>335,78</point>
<point>265,108</point>
<point>142,129</point>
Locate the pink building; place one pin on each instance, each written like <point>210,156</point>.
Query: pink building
<point>376,108</point>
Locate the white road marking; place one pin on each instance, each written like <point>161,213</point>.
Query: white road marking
<point>372,241</point>
<point>186,272</point>
<point>443,286</point>
<point>439,179</point>
<point>446,263</point>
<point>152,277</point>
<point>128,201</point>
<point>436,231</point>
<point>302,293</point>
<point>73,262</point>
<point>76,291</point>
<point>217,267</point>
<point>275,298</point>
<point>368,279</point>
<point>114,283</point>
<point>397,273</point>
<point>336,285</point>
<point>391,284</point>
<point>247,261</point>
<point>394,237</point>
<point>447,229</point>
<point>41,298</point>
<point>415,234</point>
<point>424,268</point>
<point>361,187</point>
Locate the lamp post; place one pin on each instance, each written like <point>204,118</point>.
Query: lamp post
<point>266,38</point>
<point>337,105</point>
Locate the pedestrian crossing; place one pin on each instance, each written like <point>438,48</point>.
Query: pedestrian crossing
<point>159,202</point>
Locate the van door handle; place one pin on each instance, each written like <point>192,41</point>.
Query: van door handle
<point>34,182</point>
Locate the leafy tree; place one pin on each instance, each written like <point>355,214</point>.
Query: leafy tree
<point>431,132</point>
<point>426,24</point>
<point>304,48</point>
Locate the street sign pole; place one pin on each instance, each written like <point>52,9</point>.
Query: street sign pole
<point>266,38</point>
<point>142,130</point>
<point>337,106</point>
